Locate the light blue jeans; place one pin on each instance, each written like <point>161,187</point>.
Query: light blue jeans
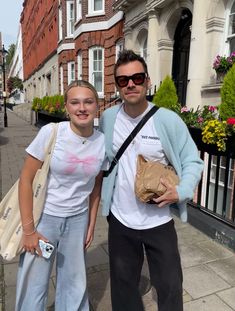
<point>68,235</point>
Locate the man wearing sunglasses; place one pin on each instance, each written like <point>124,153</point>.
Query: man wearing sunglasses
<point>137,228</point>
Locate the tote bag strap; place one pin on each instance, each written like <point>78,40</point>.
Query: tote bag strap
<point>50,147</point>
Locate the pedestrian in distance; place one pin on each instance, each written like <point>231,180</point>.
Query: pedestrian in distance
<point>70,209</point>
<point>136,228</point>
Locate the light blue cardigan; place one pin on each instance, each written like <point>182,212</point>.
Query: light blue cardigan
<point>178,146</point>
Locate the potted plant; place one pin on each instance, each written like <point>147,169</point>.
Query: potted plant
<point>166,95</point>
<point>222,64</point>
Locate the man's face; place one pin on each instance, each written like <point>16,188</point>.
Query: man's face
<point>133,94</point>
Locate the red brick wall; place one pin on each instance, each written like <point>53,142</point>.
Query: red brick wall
<point>106,39</point>
<point>39,21</point>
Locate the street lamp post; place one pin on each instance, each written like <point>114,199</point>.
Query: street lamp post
<point>4,52</point>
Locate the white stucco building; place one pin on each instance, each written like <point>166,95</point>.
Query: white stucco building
<point>181,38</point>
<point>16,70</point>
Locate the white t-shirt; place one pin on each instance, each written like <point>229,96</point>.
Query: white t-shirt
<point>75,163</point>
<point>125,206</point>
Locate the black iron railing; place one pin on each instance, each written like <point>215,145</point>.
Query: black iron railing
<point>216,191</point>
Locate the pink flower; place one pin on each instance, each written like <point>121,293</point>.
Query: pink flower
<point>200,120</point>
<point>231,121</point>
<point>212,108</point>
<point>184,109</point>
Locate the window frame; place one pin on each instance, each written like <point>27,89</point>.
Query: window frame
<point>91,8</point>
<point>70,19</point>
<point>60,24</point>
<point>92,70</point>
<point>229,35</point>
<point>71,72</point>
<point>79,65</point>
<point>78,10</point>
<point>61,80</point>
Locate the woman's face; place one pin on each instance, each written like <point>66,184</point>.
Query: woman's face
<point>81,106</point>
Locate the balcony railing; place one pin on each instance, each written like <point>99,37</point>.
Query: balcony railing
<point>216,191</point>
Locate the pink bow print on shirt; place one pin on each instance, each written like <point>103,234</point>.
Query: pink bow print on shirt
<point>87,164</point>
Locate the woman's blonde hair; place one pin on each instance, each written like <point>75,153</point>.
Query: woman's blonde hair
<point>81,83</point>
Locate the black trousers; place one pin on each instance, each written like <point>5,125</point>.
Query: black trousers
<point>126,253</point>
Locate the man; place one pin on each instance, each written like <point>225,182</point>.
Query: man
<point>136,228</point>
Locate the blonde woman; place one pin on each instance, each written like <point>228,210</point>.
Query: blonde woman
<point>70,208</point>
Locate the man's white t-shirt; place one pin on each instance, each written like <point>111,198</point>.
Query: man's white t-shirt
<point>125,206</point>
<point>75,163</point>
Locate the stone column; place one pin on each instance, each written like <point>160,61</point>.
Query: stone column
<point>197,53</point>
<point>152,48</point>
<point>129,44</point>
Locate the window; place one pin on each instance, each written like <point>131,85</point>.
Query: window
<point>71,72</point>
<point>61,80</point>
<point>79,61</point>
<point>96,68</point>
<point>96,6</point>
<point>144,52</point>
<point>119,47</point>
<point>70,18</point>
<point>231,31</point>
<point>222,170</point>
<point>79,10</point>
<point>60,24</point>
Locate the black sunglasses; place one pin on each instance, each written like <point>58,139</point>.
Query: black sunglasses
<point>137,78</point>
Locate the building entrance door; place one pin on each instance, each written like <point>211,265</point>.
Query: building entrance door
<point>181,55</point>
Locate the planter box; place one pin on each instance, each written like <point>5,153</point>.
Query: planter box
<point>44,117</point>
<point>211,148</point>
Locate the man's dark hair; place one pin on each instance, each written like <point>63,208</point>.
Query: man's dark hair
<point>127,56</point>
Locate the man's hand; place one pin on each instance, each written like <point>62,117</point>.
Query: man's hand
<point>170,196</point>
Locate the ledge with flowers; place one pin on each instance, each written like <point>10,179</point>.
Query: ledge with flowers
<point>222,64</point>
<point>211,127</point>
<point>49,109</point>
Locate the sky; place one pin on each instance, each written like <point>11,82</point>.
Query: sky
<point>10,11</point>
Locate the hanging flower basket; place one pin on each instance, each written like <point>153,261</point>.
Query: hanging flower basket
<point>212,149</point>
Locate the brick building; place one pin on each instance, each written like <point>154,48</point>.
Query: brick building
<point>64,40</point>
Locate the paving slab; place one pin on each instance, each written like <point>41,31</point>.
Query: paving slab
<point>201,281</point>
<point>228,296</point>
<point>225,269</point>
<point>209,303</point>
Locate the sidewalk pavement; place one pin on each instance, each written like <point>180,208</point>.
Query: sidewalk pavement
<point>208,267</point>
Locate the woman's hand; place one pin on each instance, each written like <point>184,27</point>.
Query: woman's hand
<point>30,242</point>
<point>89,237</point>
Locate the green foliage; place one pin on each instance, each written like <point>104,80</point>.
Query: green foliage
<point>227,106</point>
<point>51,104</point>
<point>14,83</point>
<point>9,56</point>
<point>166,95</point>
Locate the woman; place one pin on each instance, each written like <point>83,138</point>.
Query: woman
<point>70,208</point>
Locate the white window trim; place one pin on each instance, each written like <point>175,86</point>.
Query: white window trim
<point>78,10</point>
<point>226,47</point>
<point>79,65</point>
<point>69,20</point>
<point>91,72</point>
<point>91,10</point>
<point>60,24</point>
<point>61,80</point>
<point>71,74</point>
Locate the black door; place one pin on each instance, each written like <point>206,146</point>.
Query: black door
<point>181,55</point>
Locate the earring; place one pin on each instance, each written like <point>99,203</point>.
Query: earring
<point>68,116</point>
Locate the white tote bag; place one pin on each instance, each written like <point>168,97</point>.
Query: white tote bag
<point>10,221</point>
